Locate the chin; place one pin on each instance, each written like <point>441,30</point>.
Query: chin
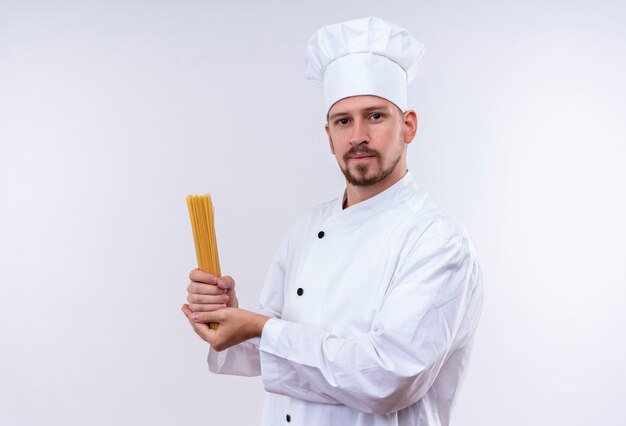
<point>368,179</point>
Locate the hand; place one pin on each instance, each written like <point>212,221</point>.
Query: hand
<point>206,292</point>
<point>235,326</point>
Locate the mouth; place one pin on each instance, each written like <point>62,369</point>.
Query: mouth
<point>361,157</point>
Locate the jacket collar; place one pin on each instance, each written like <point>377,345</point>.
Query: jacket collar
<point>396,194</point>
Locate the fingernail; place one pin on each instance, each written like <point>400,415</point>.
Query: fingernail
<point>194,316</point>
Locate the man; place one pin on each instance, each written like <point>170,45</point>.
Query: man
<point>369,308</point>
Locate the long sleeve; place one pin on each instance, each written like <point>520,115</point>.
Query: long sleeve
<point>396,362</point>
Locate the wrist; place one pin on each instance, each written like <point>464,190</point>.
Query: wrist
<point>259,324</point>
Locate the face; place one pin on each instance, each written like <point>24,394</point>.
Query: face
<point>368,136</point>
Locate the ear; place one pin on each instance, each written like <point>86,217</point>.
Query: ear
<point>410,126</point>
<point>330,141</point>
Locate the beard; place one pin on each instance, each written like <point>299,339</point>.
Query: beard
<point>360,176</point>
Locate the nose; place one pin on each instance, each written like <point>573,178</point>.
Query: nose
<point>359,133</point>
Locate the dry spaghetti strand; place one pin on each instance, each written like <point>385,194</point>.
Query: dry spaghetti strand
<point>203,226</point>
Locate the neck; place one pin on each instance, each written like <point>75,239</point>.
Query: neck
<point>356,194</point>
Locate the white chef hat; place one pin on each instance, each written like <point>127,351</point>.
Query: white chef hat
<point>366,56</point>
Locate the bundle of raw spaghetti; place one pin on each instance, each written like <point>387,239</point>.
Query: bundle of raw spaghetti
<point>203,226</point>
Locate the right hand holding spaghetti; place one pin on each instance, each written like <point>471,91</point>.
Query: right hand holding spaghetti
<point>206,292</point>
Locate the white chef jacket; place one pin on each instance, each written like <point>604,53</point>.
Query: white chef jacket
<point>374,309</point>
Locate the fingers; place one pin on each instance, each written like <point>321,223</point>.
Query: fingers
<point>202,299</point>
<point>186,310</point>
<point>226,282</point>
<point>207,293</point>
<point>202,329</point>
<point>201,288</point>
<point>206,297</point>
<point>207,317</point>
<point>202,277</point>
<point>206,308</point>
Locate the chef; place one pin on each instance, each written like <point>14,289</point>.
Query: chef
<point>370,306</point>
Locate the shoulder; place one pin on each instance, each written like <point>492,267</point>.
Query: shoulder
<point>431,235</point>
<point>444,227</point>
<point>437,246</point>
<point>429,223</point>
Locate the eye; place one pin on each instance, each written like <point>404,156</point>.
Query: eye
<point>342,121</point>
<point>376,116</point>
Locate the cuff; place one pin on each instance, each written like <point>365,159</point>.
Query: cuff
<point>270,336</point>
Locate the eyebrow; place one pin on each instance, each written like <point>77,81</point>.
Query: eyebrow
<point>368,109</point>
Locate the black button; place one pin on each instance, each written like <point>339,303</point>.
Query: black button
<point>288,418</point>
<point>320,234</point>
<point>300,291</point>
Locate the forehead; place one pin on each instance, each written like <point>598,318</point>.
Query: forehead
<point>354,104</point>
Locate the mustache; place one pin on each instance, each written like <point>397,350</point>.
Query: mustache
<point>360,150</point>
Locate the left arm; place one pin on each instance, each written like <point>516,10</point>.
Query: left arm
<point>390,367</point>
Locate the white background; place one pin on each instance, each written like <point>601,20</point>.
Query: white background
<point>112,112</point>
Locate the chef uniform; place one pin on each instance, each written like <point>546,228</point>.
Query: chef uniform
<point>373,307</point>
